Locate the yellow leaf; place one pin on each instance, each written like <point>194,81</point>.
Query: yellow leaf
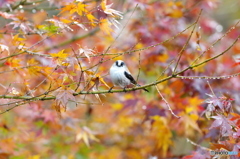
<point>129,96</point>
<point>61,54</point>
<point>117,106</point>
<point>32,62</point>
<point>163,134</point>
<point>125,122</point>
<point>176,13</point>
<point>179,4</point>
<point>163,58</point>
<point>35,69</point>
<point>194,117</point>
<point>13,62</point>
<point>71,8</point>
<point>103,4</point>
<point>66,21</point>
<point>91,18</point>
<point>89,72</point>
<point>193,105</point>
<point>189,109</point>
<point>81,8</point>
<point>71,156</point>
<point>105,26</point>
<point>139,46</point>
<point>17,41</point>
<point>101,79</point>
<point>34,157</point>
<point>170,4</point>
<point>65,64</point>
<point>195,101</point>
<point>16,38</point>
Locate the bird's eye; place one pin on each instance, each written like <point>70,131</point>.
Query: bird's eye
<point>119,63</point>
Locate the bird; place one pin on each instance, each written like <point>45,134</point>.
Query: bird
<point>120,75</point>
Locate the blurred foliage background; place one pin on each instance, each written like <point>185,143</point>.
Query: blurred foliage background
<point>57,48</point>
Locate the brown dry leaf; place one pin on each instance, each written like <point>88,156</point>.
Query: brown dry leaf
<point>64,95</point>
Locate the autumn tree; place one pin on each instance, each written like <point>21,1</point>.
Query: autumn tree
<point>55,100</point>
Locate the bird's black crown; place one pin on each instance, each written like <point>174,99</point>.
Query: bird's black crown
<point>119,63</point>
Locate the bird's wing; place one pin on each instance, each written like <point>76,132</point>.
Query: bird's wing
<point>129,76</point>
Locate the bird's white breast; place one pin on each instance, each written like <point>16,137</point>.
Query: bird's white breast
<point>118,77</point>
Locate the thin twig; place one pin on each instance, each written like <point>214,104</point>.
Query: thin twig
<point>170,63</point>
<point>166,102</point>
<point>214,43</point>
<point>211,88</point>
<point>139,65</point>
<point>209,77</point>
<point>79,64</point>
<point>185,45</point>
<point>195,144</point>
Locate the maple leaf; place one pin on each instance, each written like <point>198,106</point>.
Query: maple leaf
<point>13,62</point>
<point>163,133</point>
<point>218,103</point>
<point>33,68</point>
<point>224,124</point>
<point>86,135</point>
<point>86,52</point>
<point>112,14</point>
<point>95,79</point>
<point>105,26</point>
<point>4,47</point>
<point>16,40</point>
<point>71,8</point>
<point>64,95</point>
<point>22,23</point>
<point>91,18</point>
<point>81,8</point>
<point>107,10</point>
<point>59,24</point>
<point>60,56</point>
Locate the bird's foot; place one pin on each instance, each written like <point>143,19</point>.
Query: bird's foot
<point>109,91</point>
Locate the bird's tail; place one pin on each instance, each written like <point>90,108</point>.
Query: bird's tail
<point>143,88</point>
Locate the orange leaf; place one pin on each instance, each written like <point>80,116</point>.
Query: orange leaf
<point>71,8</point>
<point>13,62</point>
<point>218,146</point>
<point>176,13</point>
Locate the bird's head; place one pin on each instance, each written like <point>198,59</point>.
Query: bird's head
<point>119,63</point>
